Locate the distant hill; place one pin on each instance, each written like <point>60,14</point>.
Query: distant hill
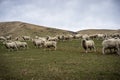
<point>17,28</point>
<point>96,31</point>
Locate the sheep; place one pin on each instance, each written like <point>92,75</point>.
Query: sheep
<point>60,37</point>
<point>101,36</point>
<point>50,44</point>
<point>116,35</point>
<point>88,44</point>
<point>26,38</point>
<point>77,36</point>
<point>52,38</point>
<point>85,36</point>
<point>42,38</point>
<point>36,37</point>
<point>21,44</point>
<point>93,36</point>
<point>16,38</point>
<point>38,43</point>
<point>11,46</point>
<point>24,45</point>
<point>2,38</point>
<point>9,37</point>
<point>111,44</point>
<point>67,37</point>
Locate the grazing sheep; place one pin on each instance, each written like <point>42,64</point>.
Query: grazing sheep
<point>9,37</point>
<point>24,45</point>
<point>77,36</point>
<point>2,38</point>
<point>36,37</point>
<point>38,43</point>
<point>88,44</point>
<point>111,45</point>
<point>116,35</point>
<point>68,37</point>
<point>21,44</point>
<point>85,36</point>
<point>11,46</point>
<point>52,38</point>
<point>93,36</point>
<point>42,38</point>
<point>50,44</point>
<point>60,37</point>
<point>16,38</point>
<point>26,38</point>
<point>65,37</point>
<point>101,36</point>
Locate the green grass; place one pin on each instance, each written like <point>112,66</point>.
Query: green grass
<point>68,62</point>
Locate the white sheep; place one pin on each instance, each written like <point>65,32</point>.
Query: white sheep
<point>85,36</point>
<point>38,43</point>
<point>16,38</point>
<point>52,38</point>
<point>101,36</point>
<point>9,37</point>
<point>60,37</point>
<point>2,38</point>
<point>77,36</point>
<point>111,44</point>
<point>68,37</point>
<point>21,44</point>
<point>42,38</point>
<point>50,44</point>
<point>88,44</point>
<point>26,38</point>
<point>11,46</point>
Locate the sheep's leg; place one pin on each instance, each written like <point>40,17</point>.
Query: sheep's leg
<point>35,45</point>
<point>94,48</point>
<point>55,48</point>
<point>16,49</point>
<point>39,46</point>
<point>86,50</point>
<point>90,48</point>
<point>118,52</point>
<point>103,50</point>
<point>12,49</point>
<point>110,50</point>
<point>26,46</point>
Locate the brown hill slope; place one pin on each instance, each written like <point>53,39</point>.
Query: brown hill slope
<point>96,31</point>
<point>17,28</point>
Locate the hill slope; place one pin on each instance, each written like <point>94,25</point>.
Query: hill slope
<point>20,28</point>
<point>95,31</point>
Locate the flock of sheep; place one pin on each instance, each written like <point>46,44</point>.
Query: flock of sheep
<point>110,43</point>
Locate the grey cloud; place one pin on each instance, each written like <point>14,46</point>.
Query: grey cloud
<point>66,14</point>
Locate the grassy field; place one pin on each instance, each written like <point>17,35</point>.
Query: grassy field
<point>68,62</point>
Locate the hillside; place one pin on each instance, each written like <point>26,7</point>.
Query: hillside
<point>20,28</point>
<point>95,31</point>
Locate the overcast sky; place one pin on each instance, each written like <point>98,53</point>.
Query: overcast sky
<point>71,15</point>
